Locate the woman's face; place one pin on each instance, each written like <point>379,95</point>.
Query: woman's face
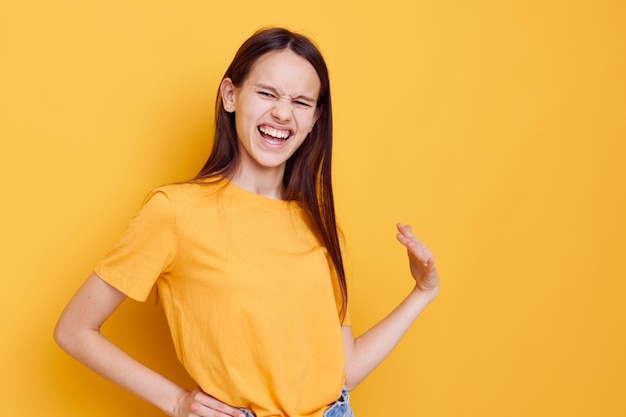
<point>275,108</point>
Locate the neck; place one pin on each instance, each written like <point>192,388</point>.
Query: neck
<point>267,182</point>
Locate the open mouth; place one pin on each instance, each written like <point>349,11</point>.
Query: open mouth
<point>274,136</point>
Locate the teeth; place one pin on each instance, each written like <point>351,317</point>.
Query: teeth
<point>279,134</point>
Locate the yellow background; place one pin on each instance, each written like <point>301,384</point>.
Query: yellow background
<point>497,128</point>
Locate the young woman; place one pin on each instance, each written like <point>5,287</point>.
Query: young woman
<point>247,259</point>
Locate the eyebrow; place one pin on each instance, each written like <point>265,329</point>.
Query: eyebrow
<point>274,91</point>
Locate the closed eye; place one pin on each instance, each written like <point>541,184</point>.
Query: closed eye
<point>302,104</point>
<point>266,94</point>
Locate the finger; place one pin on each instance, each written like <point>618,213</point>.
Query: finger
<point>207,411</point>
<point>422,253</point>
<point>406,230</point>
<point>417,250</point>
<point>220,409</point>
<point>412,243</point>
<point>215,407</point>
<point>415,247</point>
<point>405,234</point>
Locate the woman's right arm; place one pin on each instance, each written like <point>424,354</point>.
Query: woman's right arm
<point>78,333</point>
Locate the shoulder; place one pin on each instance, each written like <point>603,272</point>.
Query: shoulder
<point>183,191</point>
<point>185,197</point>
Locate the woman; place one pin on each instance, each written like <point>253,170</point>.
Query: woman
<point>247,259</point>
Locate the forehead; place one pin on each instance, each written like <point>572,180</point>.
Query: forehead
<point>287,72</point>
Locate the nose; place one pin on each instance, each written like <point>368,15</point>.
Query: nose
<point>282,110</point>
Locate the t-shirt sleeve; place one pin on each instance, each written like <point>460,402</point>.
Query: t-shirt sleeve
<point>146,250</point>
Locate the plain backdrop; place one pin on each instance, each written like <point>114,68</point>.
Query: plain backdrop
<point>496,128</point>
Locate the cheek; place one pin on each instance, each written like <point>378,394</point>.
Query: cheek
<point>307,122</point>
<point>244,119</point>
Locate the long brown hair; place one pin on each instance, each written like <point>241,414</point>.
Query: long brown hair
<point>307,177</point>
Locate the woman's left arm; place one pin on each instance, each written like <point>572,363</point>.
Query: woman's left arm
<point>367,351</point>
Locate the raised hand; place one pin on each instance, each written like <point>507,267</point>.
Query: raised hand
<point>421,261</point>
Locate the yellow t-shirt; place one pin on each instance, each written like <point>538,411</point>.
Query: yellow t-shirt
<point>249,292</point>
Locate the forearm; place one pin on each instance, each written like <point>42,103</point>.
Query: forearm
<point>92,349</point>
<point>366,352</point>
<point>78,333</point>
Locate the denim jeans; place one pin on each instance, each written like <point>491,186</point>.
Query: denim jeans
<point>340,408</point>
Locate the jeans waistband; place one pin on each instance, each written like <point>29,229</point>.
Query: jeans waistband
<point>340,408</point>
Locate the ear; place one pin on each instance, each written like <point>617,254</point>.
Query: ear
<point>228,93</point>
